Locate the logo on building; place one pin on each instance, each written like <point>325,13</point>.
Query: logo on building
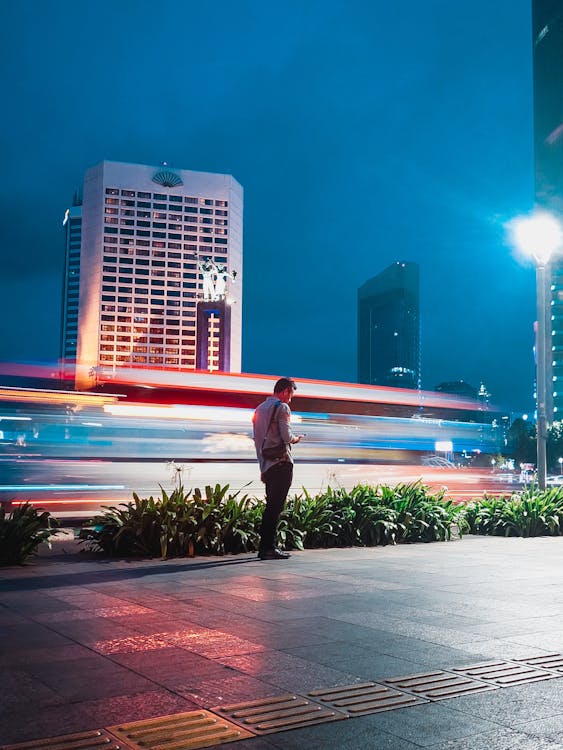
<point>166,178</point>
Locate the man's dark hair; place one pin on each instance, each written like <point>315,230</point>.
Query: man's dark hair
<point>284,383</point>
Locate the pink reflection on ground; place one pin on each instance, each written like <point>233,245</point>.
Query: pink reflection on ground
<point>131,645</point>
<point>203,641</point>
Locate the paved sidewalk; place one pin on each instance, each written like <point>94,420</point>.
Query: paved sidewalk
<point>87,643</point>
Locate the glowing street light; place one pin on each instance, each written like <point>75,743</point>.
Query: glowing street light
<point>539,235</point>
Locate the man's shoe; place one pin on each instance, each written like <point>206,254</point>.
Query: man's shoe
<point>273,554</point>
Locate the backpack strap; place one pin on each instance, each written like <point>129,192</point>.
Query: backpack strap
<point>272,415</point>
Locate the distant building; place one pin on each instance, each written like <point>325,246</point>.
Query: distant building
<point>160,271</point>
<point>458,388</point>
<point>547,29</point>
<point>389,328</point>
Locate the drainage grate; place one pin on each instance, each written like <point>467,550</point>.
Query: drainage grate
<point>439,685</point>
<point>553,662</point>
<point>189,730</point>
<point>505,673</point>
<point>279,713</point>
<point>96,739</point>
<point>364,698</point>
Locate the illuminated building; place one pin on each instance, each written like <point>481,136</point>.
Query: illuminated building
<point>156,244</point>
<point>547,19</point>
<point>69,324</point>
<point>389,329</point>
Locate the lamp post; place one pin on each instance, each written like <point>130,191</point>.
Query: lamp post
<point>539,236</point>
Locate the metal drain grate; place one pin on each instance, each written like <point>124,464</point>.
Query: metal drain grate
<point>186,731</point>
<point>279,713</point>
<point>505,673</point>
<point>553,662</point>
<point>96,739</point>
<point>364,698</point>
<point>439,685</point>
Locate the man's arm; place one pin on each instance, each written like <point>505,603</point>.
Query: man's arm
<point>286,434</point>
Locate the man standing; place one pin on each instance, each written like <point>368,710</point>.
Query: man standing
<point>273,439</point>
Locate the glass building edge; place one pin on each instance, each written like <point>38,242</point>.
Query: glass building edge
<point>547,46</point>
<point>71,274</point>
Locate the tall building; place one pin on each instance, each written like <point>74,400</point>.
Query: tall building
<point>389,328</point>
<point>69,324</point>
<point>547,23</point>
<point>160,271</point>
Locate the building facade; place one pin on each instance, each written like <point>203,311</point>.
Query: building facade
<point>156,244</point>
<point>547,28</point>
<point>389,328</point>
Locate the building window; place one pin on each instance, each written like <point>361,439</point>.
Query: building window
<point>112,191</point>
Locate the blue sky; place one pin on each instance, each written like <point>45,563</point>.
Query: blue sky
<point>362,132</point>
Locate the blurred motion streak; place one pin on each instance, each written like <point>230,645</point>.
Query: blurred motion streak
<point>73,452</point>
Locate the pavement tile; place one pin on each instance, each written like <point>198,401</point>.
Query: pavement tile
<point>20,690</point>
<point>550,727</point>
<point>27,636</point>
<point>229,689</point>
<point>508,706</point>
<point>355,734</point>
<point>359,660</point>
<point>429,724</point>
<point>91,714</point>
<point>53,656</point>
<point>500,740</point>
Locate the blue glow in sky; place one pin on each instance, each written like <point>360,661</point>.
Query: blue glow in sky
<point>362,132</point>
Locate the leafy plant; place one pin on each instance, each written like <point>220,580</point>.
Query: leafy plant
<point>22,531</point>
<point>178,524</point>
<point>529,513</point>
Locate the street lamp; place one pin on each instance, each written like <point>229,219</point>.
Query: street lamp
<point>539,236</point>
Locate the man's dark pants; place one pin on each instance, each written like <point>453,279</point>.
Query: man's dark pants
<point>278,481</point>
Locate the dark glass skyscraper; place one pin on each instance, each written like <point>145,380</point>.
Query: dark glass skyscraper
<point>389,328</point>
<point>547,20</point>
<point>71,286</point>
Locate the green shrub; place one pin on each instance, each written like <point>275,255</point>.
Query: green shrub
<point>363,519</point>
<point>178,524</point>
<point>528,513</point>
<point>22,531</point>
<point>214,522</point>
<point>306,522</point>
<point>420,515</point>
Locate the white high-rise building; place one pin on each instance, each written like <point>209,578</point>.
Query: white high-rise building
<point>160,271</point>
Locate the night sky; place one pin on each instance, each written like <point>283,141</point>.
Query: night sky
<point>362,133</point>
